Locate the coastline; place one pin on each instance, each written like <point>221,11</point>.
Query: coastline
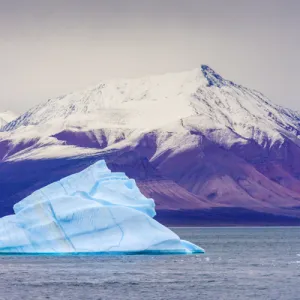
<point>233,217</point>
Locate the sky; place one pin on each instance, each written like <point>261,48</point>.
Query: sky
<point>53,47</point>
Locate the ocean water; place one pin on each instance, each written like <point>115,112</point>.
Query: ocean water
<point>240,263</point>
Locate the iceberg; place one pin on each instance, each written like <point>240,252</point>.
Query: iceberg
<point>93,211</point>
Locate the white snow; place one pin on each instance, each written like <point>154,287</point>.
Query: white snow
<point>170,105</point>
<point>6,117</point>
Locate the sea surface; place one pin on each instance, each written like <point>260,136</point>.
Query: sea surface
<point>240,263</point>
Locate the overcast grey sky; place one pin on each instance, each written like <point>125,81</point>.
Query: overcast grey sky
<point>52,47</point>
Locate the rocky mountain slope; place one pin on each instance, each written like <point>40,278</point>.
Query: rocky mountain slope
<point>194,141</point>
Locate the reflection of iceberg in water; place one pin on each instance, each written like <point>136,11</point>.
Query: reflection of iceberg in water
<point>91,211</point>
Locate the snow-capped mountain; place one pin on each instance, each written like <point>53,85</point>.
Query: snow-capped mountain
<point>157,102</point>
<point>6,117</point>
<point>198,100</point>
<point>193,140</point>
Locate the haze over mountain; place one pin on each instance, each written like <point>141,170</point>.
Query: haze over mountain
<point>194,141</point>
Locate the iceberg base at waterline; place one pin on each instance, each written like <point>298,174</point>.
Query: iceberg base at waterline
<point>95,211</point>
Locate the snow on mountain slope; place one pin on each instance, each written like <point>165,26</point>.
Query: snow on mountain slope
<point>118,113</point>
<point>198,100</point>
<point>6,117</point>
<point>191,140</point>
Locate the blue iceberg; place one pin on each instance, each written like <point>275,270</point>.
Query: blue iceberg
<point>93,211</point>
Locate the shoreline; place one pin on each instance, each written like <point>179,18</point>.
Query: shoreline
<point>233,217</point>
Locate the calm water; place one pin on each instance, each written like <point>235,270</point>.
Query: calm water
<point>240,263</point>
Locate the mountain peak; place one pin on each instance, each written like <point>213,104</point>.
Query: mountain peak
<point>157,101</point>
<point>213,78</point>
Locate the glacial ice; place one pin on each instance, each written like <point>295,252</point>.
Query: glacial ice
<point>93,211</point>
